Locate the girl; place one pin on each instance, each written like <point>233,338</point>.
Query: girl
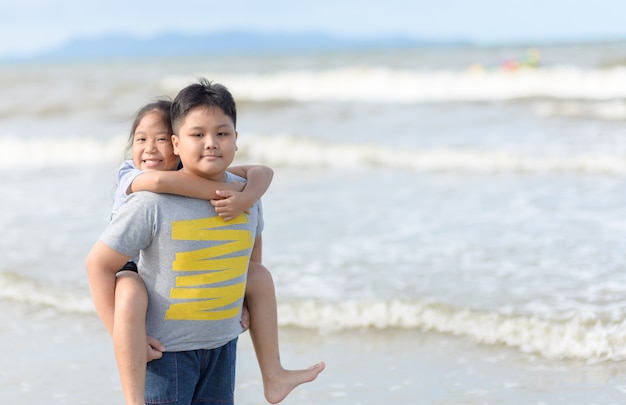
<point>153,168</point>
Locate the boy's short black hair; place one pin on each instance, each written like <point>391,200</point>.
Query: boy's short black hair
<point>202,94</point>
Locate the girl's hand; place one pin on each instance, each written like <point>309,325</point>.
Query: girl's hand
<point>231,204</point>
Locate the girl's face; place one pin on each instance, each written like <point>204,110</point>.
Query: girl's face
<point>152,144</point>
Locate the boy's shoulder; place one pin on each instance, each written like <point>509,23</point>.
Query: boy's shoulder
<point>149,200</point>
<point>147,204</point>
<point>233,177</point>
<point>147,197</point>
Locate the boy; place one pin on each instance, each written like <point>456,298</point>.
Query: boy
<point>193,263</point>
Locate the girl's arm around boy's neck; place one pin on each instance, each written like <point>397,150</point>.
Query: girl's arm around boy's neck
<point>232,204</point>
<point>237,197</point>
<point>259,179</point>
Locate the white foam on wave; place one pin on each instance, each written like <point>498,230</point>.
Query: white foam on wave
<point>59,152</point>
<point>277,150</point>
<point>14,287</point>
<point>383,85</point>
<point>576,338</point>
<point>290,151</point>
<point>610,110</point>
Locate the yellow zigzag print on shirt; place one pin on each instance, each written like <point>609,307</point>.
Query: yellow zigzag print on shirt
<point>209,303</point>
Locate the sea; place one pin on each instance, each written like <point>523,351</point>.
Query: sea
<point>446,224</point>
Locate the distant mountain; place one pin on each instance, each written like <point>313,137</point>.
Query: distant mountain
<point>233,42</point>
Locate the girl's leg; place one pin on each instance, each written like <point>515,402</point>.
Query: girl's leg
<point>129,335</point>
<point>261,301</point>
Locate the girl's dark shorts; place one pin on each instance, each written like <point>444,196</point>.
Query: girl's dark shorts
<point>130,266</point>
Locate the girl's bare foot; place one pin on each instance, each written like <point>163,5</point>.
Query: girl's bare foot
<point>277,386</point>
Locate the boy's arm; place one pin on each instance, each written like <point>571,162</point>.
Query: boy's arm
<point>102,264</point>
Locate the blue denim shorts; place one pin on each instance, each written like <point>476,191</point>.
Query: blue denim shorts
<point>193,377</point>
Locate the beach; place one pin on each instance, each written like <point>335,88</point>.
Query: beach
<point>441,228</point>
<point>69,360</point>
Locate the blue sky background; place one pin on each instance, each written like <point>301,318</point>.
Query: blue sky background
<point>28,26</point>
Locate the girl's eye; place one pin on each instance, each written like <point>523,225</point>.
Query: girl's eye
<point>140,139</point>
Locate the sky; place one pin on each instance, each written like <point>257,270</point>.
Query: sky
<point>30,26</point>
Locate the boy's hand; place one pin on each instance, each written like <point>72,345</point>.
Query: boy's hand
<point>231,205</point>
<point>155,349</point>
<point>245,316</point>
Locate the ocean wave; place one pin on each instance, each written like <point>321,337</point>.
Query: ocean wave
<point>383,85</point>
<point>290,151</point>
<point>17,288</point>
<point>608,110</point>
<point>304,152</point>
<point>575,338</point>
<point>60,152</point>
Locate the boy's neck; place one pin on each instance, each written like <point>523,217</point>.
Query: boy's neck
<point>221,177</point>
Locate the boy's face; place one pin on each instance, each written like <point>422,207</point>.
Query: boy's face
<point>206,142</point>
<point>152,146</point>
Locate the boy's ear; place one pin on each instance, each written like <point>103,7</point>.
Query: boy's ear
<point>236,136</point>
<point>175,143</point>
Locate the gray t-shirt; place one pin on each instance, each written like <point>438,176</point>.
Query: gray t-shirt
<point>193,263</point>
